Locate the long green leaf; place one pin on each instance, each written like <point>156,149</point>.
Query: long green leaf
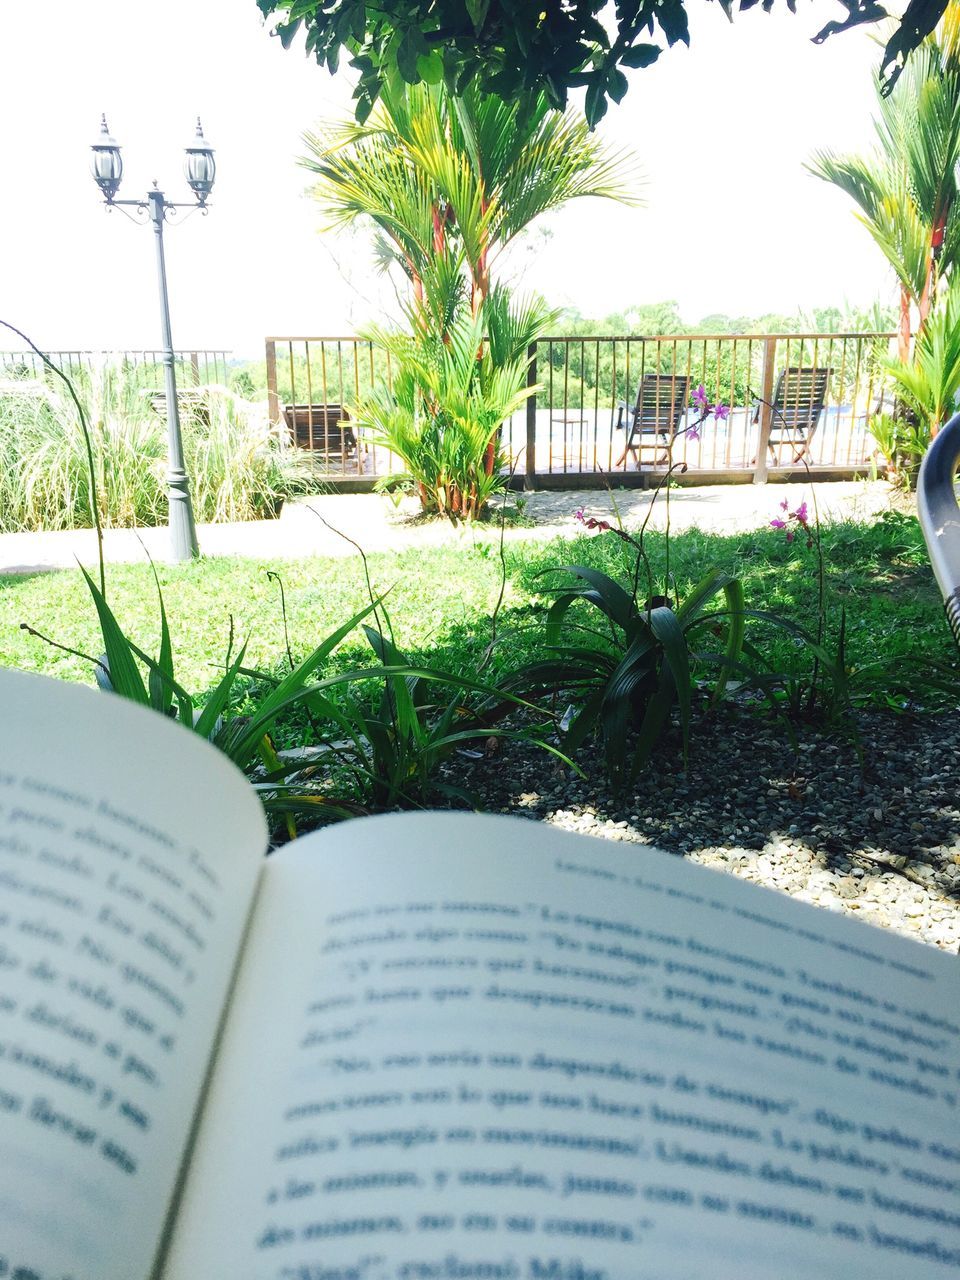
<point>666,627</point>
<point>293,688</point>
<point>695,601</point>
<point>397,692</point>
<point>736,632</point>
<point>219,699</point>
<point>161,691</point>
<point>655,717</point>
<point>124,673</point>
<point>611,597</point>
<point>157,674</point>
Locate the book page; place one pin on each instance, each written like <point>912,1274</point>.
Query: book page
<point>129,855</point>
<point>469,1047</point>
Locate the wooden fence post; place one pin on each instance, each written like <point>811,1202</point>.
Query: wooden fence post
<point>273,402</point>
<point>766,413</point>
<point>195,367</point>
<point>530,457</point>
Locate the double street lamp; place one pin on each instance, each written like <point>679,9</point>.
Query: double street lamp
<point>199,169</point>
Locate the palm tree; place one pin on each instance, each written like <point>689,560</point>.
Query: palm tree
<point>450,182</point>
<point>442,175</point>
<point>907,190</point>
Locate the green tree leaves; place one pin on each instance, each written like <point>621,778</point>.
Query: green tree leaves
<point>520,49</point>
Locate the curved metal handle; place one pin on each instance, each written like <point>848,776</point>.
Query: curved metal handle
<point>940,516</point>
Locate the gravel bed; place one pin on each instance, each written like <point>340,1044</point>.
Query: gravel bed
<point>881,842</point>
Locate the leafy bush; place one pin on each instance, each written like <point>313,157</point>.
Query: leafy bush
<point>930,381</point>
<point>450,395</point>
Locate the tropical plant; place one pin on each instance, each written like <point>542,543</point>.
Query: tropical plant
<point>627,677</point>
<point>929,383</point>
<point>448,398</point>
<point>902,443</point>
<point>449,183</point>
<point>650,667</point>
<point>907,190</point>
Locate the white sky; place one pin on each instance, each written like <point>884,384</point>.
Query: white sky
<point>732,222</point>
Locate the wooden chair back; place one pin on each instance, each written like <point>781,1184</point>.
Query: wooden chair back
<point>798,404</point>
<point>661,401</point>
<point>323,427</point>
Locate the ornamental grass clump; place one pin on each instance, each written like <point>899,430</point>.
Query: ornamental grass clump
<point>44,478</point>
<point>239,467</point>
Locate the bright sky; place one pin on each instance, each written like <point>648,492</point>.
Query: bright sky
<point>731,223</point>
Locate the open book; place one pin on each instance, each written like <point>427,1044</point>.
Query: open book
<point>434,1047</point>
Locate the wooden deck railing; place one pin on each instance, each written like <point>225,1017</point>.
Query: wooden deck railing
<point>568,433</point>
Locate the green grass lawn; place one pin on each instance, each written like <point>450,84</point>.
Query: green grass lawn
<point>440,601</point>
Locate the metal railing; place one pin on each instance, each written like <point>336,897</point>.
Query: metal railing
<point>311,384</point>
<point>145,367</point>
<point>572,431</point>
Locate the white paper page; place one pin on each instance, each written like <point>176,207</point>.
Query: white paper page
<point>129,854</point>
<point>478,1047</point>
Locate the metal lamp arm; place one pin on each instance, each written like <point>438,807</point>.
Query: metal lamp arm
<point>940,516</point>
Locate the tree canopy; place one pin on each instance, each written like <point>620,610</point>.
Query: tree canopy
<point>520,49</point>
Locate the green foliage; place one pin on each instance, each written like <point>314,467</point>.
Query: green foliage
<point>520,51</point>
<point>434,172</point>
<point>246,739</point>
<point>906,190</point>
<point>449,182</point>
<point>386,751</point>
<point>628,686</point>
<point>243,383</point>
<point>448,398</point>
<point>902,443</point>
<point>626,677</point>
<point>237,466</point>
<point>930,382</point>
<point>361,756</point>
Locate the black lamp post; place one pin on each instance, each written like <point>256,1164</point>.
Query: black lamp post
<point>200,170</point>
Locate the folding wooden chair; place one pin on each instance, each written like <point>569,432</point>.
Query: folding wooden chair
<point>322,427</point>
<point>661,401</point>
<point>796,409</point>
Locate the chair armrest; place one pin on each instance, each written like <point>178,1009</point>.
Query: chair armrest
<point>940,516</point>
